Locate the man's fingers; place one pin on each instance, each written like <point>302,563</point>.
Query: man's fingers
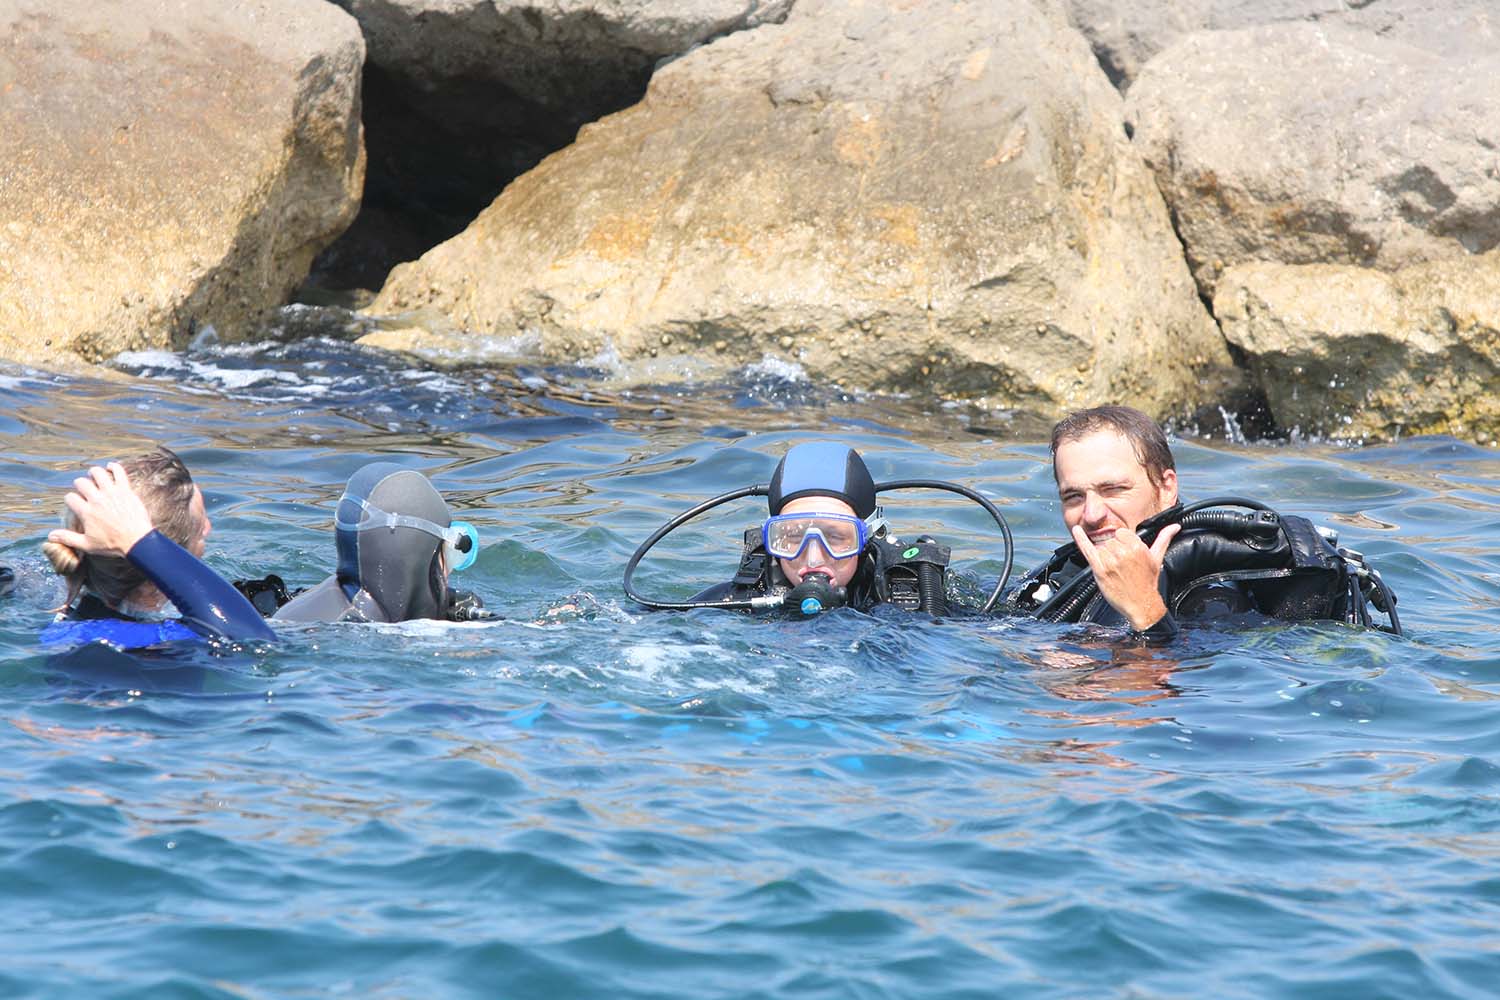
<point>77,504</point>
<point>71,539</point>
<point>1163,541</point>
<point>1085,546</point>
<point>118,473</point>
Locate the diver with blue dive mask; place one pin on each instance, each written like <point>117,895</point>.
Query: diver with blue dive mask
<point>396,546</point>
<point>826,543</point>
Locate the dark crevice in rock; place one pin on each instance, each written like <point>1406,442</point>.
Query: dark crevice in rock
<point>443,143</point>
<point>437,159</point>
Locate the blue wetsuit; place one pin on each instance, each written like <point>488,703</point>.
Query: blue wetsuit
<point>211,607</point>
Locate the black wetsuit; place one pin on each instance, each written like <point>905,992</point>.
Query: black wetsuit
<point>1221,563</point>
<point>909,575</point>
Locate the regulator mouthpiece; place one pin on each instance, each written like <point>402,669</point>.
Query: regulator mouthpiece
<point>815,595</point>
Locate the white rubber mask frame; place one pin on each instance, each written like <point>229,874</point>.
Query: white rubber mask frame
<point>460,538</point>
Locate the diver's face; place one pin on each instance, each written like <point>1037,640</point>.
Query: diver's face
<point>815,558</point>
<point>199,511</point>
<point>1105,488</point>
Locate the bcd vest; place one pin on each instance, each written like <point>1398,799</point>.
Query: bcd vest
<point>1279,565</point>
<point>910,575</point>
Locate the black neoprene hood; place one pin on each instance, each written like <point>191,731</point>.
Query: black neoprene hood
<point>823,468</point>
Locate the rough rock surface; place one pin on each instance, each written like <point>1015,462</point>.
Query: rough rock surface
<point>1351,352</point>
<point>533,49</point>
<point>166,165</point>
<point>1302,143</point>
<point>462,96</point>
<point>1126,34</point>
<point>890,193</point>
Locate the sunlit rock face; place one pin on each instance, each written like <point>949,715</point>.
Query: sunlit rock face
<point>1338,198</point>
<point>462,96</point>
<point>167,166</point>
<point>1299,143</point>
<point>893,195</point>
<point>1127,34</point>
<point>1350,352</point>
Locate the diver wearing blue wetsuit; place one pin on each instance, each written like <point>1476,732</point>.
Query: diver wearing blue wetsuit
<point>117,561</point>
<point>396,545</point>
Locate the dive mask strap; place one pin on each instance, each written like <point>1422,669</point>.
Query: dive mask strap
<point>460,538</point>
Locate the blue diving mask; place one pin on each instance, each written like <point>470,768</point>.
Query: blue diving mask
<point>460,538</point>
<point>786,536</point>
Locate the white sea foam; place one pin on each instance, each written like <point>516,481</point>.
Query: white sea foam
<point>779,368</point>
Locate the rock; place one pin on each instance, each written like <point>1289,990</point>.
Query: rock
<point>905,195</point>
<point>1302,143</point>
<point>1350,352</point>
<point>1126,34</point>
<point>167,165</point>
<point>461,96</point>
<point>533,50</point>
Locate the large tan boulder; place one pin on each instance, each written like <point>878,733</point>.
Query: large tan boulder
<point>1303,143</point>
<point>1351,352</point>
<point>1127,34</point>
<point>889,193</point>
<point>167,165</point>
<point>534,50</point>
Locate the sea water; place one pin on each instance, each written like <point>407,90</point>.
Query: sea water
<point>589,799</point>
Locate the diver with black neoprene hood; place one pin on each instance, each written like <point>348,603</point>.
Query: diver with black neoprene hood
<point>396,545</point>
<point>826,543</point>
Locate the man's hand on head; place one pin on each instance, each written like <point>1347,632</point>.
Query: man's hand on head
<point>111,514</point>
<point>1127,572</point>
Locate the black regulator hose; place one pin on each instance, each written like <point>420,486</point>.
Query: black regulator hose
<point>981,500</point>
<point>727,604</point>
<point>773,601</point>
<point>932,595</point>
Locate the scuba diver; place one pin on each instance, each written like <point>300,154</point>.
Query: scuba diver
<point>826,544</point>
<point>132,540</point>
<point>1140,558</point>
<point>396,546</point>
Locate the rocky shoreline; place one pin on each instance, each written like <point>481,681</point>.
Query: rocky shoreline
<point>1039,204</point>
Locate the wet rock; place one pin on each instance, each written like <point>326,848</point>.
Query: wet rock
<point>461,96</point>
<point>167,165</point>
<point>892,195</point>
<point>1302,143</point>
<point>1126,34</point>
<point>1350,352</point>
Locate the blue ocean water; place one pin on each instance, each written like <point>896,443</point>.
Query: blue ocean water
<point>586,799</point>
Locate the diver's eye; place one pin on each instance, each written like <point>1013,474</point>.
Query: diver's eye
<point>784,535</point>
<point>841,537</point>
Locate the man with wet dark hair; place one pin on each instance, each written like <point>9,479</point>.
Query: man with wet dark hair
<point>1138,557</point>
<point>1113,470</point>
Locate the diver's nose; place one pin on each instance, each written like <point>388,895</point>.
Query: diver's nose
<point>816,554</point>
<point>1094,511</point>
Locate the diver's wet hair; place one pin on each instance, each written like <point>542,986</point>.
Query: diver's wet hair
<point>823,468</point>
<point>165,486</point>
<point>1144,434</point>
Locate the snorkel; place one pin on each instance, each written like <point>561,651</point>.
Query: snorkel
<point>807,470</point>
